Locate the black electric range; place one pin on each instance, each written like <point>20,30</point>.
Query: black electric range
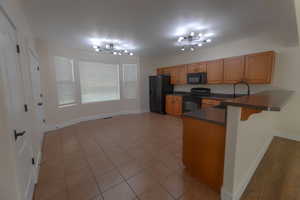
<point>192,102</point>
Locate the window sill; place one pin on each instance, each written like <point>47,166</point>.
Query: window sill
<point>105,101</point>
<point>67,105</point>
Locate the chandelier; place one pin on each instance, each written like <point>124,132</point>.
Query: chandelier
<point>111,48</point>
<point>193,40</point>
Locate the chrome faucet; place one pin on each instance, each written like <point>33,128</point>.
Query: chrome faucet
<point>238,83</point>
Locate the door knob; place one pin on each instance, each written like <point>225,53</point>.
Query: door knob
<point>18,134</point>
<point>40,104</point>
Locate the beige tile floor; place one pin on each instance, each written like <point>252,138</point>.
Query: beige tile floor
<point>122,158</point>
<point>278,174</point>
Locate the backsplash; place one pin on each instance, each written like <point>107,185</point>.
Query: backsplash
<point>226,89</point>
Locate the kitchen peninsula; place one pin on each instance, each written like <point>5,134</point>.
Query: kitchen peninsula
<point>210,134</point>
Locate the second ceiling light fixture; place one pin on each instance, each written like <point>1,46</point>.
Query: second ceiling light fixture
<point>193,40</point>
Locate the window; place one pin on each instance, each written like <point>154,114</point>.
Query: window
<point>130,78</point>
<point>99,82</point>
<point>65,81</point>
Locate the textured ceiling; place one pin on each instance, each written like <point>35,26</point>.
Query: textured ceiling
<point>151,25</point>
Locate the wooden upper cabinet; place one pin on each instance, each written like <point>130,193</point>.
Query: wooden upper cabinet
<point>160,71</point>
<point>177,74</point>
<point>215,71</point>
<point>259,67</point>
<point>254,68</point>
<point>196,67</point>
<point>181,72</point>
<point>234,69</point>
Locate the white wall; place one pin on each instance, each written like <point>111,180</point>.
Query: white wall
<point>59,117</point>
<point>148,68</point>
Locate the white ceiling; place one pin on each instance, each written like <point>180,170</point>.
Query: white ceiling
<point>151,25</point>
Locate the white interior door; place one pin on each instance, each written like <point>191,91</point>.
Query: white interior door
<point>15,100</point>
<point>38,96</point>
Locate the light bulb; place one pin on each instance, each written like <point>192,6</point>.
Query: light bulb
<point>120,53</point>
<point>125,51</point>
<point>192,49</point>
<point>180,39</point>
<point>97,49</point>
<point>182,49</point>
<point>200,35</point>
<point>131,54</point>
<point>192,34</point>
<point>209,34</point>
<point>107,46</point>
<point>115,53</point>
<point>200,45</point>
<point>95,46</point>
<point>208,40</point>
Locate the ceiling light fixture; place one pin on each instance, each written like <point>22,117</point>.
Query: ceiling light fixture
<point>111,48</point>
<point>193,40</point>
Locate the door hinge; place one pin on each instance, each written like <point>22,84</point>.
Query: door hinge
<point>25,107</point>
<point>38,68</point>
<point>18,48</point>
<point>32,161</point>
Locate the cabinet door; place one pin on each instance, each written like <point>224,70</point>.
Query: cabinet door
<point>215,71</point>
<point>181,75</point>
<point>177,105</point>
<point>169,104</point>
<point>196,67</point>
<point>171,71</point>
<point>259,67</point>
<point>159,71</point>
<point>234,69</point>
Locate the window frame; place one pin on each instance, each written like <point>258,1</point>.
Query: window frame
<point>65,105</point>
<point>137,80</point>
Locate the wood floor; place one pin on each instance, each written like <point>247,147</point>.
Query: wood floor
<point>139,157</point>
<point>123,158</point>
<point>278,175</point>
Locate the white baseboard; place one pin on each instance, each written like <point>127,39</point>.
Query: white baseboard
<point>30,187</point>
<point>225,195</point>
<point>38,165</point>
<point>291,136</point>
<point>88,118</point>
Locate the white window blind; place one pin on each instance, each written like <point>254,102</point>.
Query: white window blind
<point>99,82</point>
<point>130,78</point>
<point>65,80</point>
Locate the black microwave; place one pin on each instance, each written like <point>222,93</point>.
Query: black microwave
<point>197,78</point>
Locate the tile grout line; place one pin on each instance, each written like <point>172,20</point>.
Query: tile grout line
<point>90,168</point>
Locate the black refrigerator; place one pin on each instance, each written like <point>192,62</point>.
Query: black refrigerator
<point>159,86</point>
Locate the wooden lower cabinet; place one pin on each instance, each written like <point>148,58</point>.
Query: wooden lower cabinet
<point>204,151</point>
<point>174,105</point>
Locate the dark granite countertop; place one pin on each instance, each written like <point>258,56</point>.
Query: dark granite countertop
<point>217,96</point>
<point>213,115</point>
<point>272,100</point>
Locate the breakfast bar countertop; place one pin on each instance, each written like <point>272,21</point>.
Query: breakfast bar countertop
<point>272,100</point>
